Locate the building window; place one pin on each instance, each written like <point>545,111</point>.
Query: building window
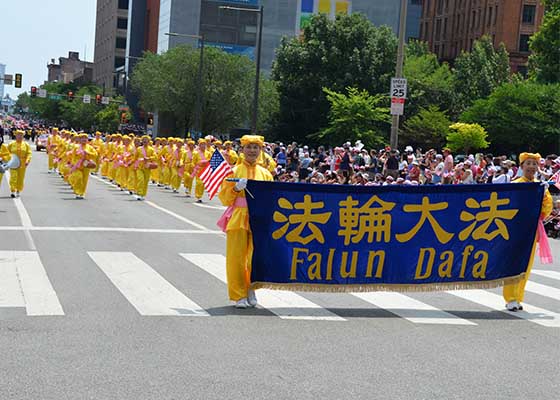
<point>119,62</point>
<point>529,14</point>
<point>522,70</point>
<point>495,15</point>
<point>440,7</point>
<point>122,23</point>
<point>473,20</point>
<point>121,43</point>
<point>445,28</point>
<point>524,43</point>
<point>123,4</point>
<point>436,49</point>
<point>489,16</point>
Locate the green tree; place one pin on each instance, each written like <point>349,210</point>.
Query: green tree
<point>347,52</point>
<point>429,83</point>
<point>520,116</point>
<point>545,46</point>
<point>78,114</point>
<point>481,71</point>
<point>427,129</point>
<point>355,116</point>
<point>168,83</point>
<point>467,137</point>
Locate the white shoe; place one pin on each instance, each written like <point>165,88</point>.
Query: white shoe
<point>17,194</point>
<point>513,306</point>
<point>140,198</point>
<point>252,298</point>
<point>49,171</point>
<point>175,191</point>
<point>243,304</point>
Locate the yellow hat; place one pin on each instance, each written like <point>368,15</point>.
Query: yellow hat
<point>201,140</point>
<point>190,141</point>
<point>19,132</point>
<point>145,137</point>
<point>252,139</point>
<point>227,142</point>
<point>55,129</point>
<point>83,135</point>
<point>525,156</point>
<point>218,142</point>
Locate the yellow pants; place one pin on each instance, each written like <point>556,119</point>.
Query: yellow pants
<point>188,181</point>
<point>175,179</point>
<point>97,164</point>
<point>16,179</point>
<point>79,180</point>
<point>122,176</point>
<point>154,175</point>
<point>52,164</point>
<point>1,178</point>
<point>112,171</point>
<point>199,188</point>
<point>166,176</point>
<point>239,252</point>
<point>142,179</point>
<point>516,291</point>
<point>131,182</point>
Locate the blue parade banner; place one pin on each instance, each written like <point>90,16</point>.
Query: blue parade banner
<point>402,238</point>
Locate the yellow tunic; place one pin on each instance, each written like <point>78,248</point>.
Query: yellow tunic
<point>17,176</point>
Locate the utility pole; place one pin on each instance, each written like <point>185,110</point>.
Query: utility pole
<point>400,59</point>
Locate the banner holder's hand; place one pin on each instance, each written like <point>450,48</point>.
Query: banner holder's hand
<point>237,180</point>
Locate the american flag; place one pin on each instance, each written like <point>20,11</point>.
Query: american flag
<point>555,179</point>
<point>214,173</point>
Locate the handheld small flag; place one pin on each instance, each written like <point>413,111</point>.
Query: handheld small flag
<point>214,173</point>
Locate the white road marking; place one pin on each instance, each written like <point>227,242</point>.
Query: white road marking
<point>10,289</point>
<point>25,222</point>
<point>160,208</point>
<point>110,229</point>
<point>38,294</point>
<point>143,287</point>
<point>546,274</point>
<point>286,305</point>
<point>175,215</point>
<point>496,302</point>
<point>221,208</point>
<point>411,309</point>
<point>543,290</point>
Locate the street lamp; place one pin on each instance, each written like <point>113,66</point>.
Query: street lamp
<point>260,11</point>
<point>198,114</point>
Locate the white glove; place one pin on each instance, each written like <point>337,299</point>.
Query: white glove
<point>545,184</point>
<point>241,184</point>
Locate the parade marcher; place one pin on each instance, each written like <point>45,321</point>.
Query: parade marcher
<point>4,155</point>
<point>98,145</point>
<point>235,222</point>
<point>154,175</point>
<point>176,166</point>
<point>514,293</point>
<point>52,143</point>
<point>17,176</point>
<point>188,166</point>
<point>83,160</point>
<point>201,157</point>
<point>145,162</point>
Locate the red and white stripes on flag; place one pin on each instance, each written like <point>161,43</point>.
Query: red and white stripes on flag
<point>214,173</point>
<point>556,179</point>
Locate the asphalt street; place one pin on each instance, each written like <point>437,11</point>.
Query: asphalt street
<point>113,298</point>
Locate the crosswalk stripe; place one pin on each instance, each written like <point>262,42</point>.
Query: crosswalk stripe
<point>530,313</point>
<point>143,287</point>
<point>10,289</point>
<point>411,309</point>
<point>36,290</point>
<point>547,274</point>
<point>286,305</point>
<point>543,290</point>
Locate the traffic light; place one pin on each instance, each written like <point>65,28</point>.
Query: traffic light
<point>33,91</point>
<point>98,99</point>
<point>70,96</point>
<point>18,81</point>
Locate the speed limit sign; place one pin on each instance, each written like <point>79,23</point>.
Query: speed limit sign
<point>398,88</point>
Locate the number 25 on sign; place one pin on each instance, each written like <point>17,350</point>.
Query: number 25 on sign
<point>398,95</point>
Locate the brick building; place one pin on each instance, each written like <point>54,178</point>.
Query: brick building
<point>70,69</point>
<point>450,26</point>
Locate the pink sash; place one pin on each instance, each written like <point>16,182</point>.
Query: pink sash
<point>224,219</point>
<point>79,164</point>
<point>137,163</point>
<point>198,166</point>
<point>544,248</point>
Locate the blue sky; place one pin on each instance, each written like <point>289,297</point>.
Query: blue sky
<point>34,31</point>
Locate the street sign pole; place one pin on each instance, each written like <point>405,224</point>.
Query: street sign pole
<point>400,57</point>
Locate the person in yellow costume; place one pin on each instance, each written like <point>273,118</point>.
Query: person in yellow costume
<point>235,222</point>
<point>177,167</point>
<point>145,157</point>
<point>23,151</point>
<point>188,166</point>
<point>98,145</point>
<point>229,154</point>
<point>265,160</point>
<point>4,155</point>
<point>514,293</point>
<point>83,160</point>
<point>122,157</point>
<point>154,175</point>
<point>52,143</point>
<point>114,165</point>
<point>131,182</point>
<point>167,163</point>
<point>104,159</point>
<point>60,152</point>
<point>201,157</point>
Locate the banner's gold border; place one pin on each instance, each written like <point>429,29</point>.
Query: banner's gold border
<point>387,287</point>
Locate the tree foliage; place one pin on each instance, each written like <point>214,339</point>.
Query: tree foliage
<point>347,52</point>
<point>520,116</point>
<point>355,116</point>
<point>481,71</point>
<point>168,83</point>
<point>467,137</point>
<point>427,129</point>
<point>545,46</point>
